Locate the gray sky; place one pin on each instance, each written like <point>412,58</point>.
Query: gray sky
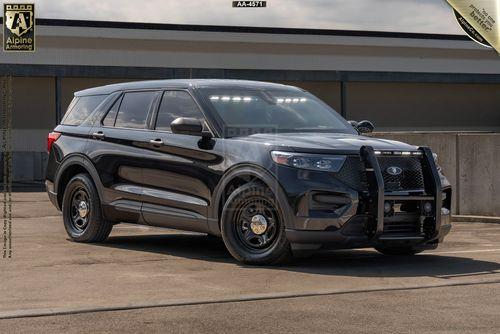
<point>430,16</point>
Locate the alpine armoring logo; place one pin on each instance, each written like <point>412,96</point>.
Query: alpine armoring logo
<point>19,27</point>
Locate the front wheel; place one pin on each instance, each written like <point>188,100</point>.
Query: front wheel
<point>252,226</point>
<point>81,208</point>
<point>398,250</point>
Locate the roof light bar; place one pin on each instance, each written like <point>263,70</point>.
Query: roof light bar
<point>291,100</point>
<point>231,98</point>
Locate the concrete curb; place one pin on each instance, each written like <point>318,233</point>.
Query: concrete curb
<point>31,313</point>
<point>475,219</point>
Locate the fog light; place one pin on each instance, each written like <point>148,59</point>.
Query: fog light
<point>427,207</point>
<point>387,207</point>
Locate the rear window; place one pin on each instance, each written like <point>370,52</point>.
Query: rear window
<point>80,109</point>
<point>134,109</point>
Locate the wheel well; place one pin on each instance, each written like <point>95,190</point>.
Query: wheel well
<point>234,184</point>
<point>67,175</point>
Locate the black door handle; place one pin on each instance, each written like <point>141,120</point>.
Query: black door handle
<point>98,135</point>
<point>156,142</point>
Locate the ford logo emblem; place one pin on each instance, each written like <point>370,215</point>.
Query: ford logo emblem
<point>393,170</point>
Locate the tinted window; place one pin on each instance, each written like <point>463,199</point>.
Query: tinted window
<point>175,104</point>
<point>134,109</point>
<point>110,118</point>
<point>80,108</point>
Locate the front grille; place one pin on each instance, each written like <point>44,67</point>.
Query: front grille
<point>402,228</point>
<point>411,178</point>
<point>353,174</point>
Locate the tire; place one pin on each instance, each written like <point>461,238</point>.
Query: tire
<point>91,227</point>
<point>399,251</point>
<point>246,241</point>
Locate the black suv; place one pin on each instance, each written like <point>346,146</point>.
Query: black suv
<point>270,168</point>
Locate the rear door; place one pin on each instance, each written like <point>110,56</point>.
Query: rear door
<point>119,149</point>
<point>178,178</point>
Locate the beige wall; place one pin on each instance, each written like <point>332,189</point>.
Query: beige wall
<point>33,113</point>
<point>33,102</point>
<point>425,106</point>
<point>479,173</point>
<point>66,45</point>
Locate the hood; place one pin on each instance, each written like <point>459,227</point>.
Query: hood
<point>320,142</point>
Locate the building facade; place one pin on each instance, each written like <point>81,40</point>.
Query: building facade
<point>400,81</point>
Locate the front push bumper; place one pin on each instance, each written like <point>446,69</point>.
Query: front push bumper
<point>372,228</point>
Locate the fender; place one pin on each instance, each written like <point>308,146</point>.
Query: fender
<point>80,160</point>
<point>246,170</point>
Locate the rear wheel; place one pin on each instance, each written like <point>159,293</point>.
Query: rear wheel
<point>252,226</point>
<point>398,250</point>
<point>81,208</point>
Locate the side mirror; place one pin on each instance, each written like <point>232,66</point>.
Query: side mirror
<point>354,124</point>
<point>365,126</point>
<point>187,126</point>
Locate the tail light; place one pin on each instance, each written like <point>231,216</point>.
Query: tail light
<point>51,138</point>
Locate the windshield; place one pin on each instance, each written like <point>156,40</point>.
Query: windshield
<point>248,111</point>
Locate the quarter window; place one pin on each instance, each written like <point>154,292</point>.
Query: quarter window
<point>110,118</point>
<point>80,109</point>
<point>134,109</point>
<point>175,104</point>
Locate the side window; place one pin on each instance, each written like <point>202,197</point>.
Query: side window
<point>175,104</point>
<point>134,109</point>
<point>110,118</point>
<point>80,109</point>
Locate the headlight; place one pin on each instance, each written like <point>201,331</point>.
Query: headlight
<point>320,162</point>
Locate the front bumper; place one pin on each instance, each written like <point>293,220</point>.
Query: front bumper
<point>368,224</point>
<point>352,235</point>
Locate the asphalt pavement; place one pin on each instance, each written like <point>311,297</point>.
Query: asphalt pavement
<point>145,279</point>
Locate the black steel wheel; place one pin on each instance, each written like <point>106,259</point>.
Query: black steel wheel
<point>256,223</point>
<point>252,226</point>
<point>81,209</point>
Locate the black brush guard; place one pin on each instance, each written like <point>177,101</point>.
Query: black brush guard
<point>433,193</point>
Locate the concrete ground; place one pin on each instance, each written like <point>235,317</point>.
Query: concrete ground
<point>152,280</point>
